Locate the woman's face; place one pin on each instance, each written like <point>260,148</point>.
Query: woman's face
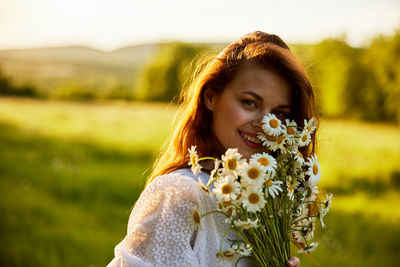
<point>239,109</point>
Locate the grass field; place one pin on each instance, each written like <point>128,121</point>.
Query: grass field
<point>70,172</point>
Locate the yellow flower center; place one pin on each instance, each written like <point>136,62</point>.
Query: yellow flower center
<point>193,160</point>
<point>290,131</point>
<point>273,123</point>
<point>263,161</point>
<point>270,138</point>
<point>253,173</point>
<point>231,164</point>
<point>254,198</point>
<point>280,139</point>
<point>269,183</point>
<point>196,217</point>
<point>290,188</point>
<point>315,169</point>
<point>228,254</point>
<point>308,127</point>
<point>304,138</point>
<point>226,189</point>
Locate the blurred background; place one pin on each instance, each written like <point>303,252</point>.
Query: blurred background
<point>85,92</point>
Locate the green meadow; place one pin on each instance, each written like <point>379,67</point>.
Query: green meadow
<point>70,173</point>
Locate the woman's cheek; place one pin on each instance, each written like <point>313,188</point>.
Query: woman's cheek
<point>235,113</point>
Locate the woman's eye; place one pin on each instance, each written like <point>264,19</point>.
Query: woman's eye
<point>249,103</point>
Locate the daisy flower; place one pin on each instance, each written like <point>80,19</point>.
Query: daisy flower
<point>226,188</point>
<point>227,254</point>
<point>328,202</point>
<point>273,188</point>
<point>305,138</point>
<point>228,208</point>
<point>309,248</point>
<point>247,224</point>
<point>314,171</point>
<point>309,126</point>
<point>195,217</point>
<point>253,173</point>
<point>272,125</point>
<point>291,132</point>
<point>301,211</point>
<point>279,143</point>
<point>325,208</point>
<point>203,187</point>
<point>252,199</point>
<point>267,140</point>
<point>301,176</point>
<point>194,160</point>
<point>244,249</point>
<point>267,161</point>
<point>290,190</point>
<point>297,236</point>
<point>311,192</point>
<point>298,157</point>
<point>217,162</point>
<point>232,161</point>
<point>298,183</point>
<point>305,232</point>
<point>294,147</point>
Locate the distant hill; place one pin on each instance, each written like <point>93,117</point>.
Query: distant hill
<point>43,66</point>
<point>57,69</point>
<point>124,57</point>
<point>52,67</point>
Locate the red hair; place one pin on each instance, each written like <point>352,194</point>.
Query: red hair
<point>194,127</point>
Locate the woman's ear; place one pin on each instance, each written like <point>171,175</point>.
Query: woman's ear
<point>209,98</point>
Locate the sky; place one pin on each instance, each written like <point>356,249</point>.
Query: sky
<point>112,24</point>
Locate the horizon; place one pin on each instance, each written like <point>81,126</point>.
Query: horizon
<point>124,47</point>
<point>60,46</point>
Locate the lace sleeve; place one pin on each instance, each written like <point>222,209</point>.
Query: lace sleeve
<point>161,231</point>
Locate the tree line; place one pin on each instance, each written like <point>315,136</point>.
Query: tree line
<point>361,83</point>
<point>350,82</point>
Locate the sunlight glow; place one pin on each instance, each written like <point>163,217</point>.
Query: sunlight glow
<point>108,24</point>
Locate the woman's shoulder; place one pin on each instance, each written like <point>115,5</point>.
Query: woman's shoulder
<point>172,192</point>
<point>180,179</point>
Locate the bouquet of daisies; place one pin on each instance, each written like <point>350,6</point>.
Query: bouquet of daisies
<point>271,201</point>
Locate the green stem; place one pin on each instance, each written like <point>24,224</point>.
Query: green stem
<point>214,211</point>
<point>205,158</point>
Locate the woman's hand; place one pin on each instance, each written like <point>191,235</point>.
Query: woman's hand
<point>293,262</point>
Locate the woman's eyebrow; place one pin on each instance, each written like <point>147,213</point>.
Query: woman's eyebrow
<point>256,96</point>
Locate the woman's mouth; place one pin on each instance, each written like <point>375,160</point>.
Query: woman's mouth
<point>250,140</point>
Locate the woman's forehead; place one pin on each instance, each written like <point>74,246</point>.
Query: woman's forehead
<point>261,83</point>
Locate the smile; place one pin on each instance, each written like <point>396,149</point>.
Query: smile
<point>252,140</point>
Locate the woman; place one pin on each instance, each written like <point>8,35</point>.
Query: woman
<point>222,108</point>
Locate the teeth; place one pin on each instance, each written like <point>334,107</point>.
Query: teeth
<point>251,139</point>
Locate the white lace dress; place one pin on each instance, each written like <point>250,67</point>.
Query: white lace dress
<point>161,231</point>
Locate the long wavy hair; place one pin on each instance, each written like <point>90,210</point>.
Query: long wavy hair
<point>194,126</point>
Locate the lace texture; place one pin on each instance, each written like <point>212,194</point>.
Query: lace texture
<point>161,231</point>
